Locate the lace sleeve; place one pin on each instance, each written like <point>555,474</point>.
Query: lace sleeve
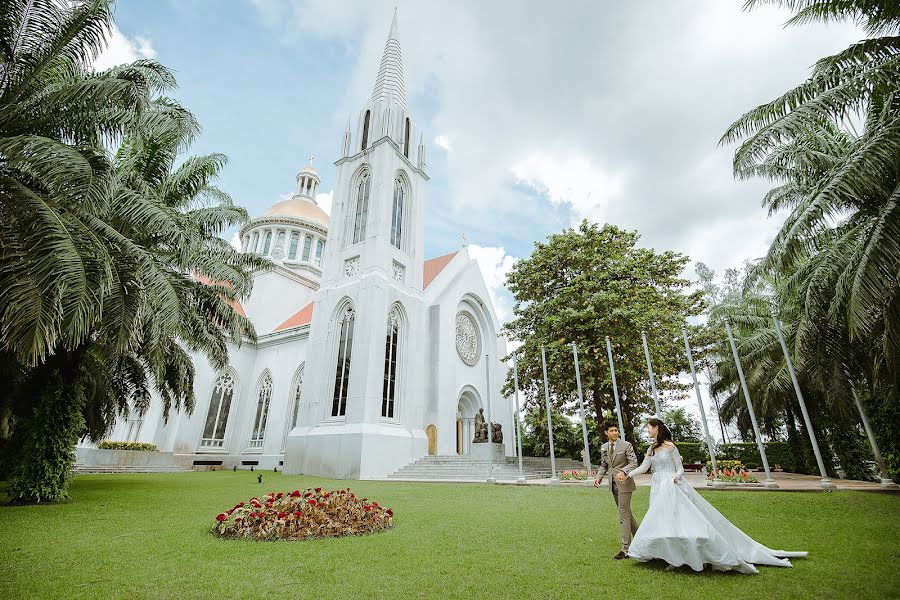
<point>679,466</point>
<point>645,466</point>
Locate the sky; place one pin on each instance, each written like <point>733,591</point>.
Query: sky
<point>536,115</point>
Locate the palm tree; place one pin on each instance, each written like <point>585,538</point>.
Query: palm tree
<point>114,263</point>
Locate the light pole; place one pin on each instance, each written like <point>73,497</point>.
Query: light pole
<point>769,482</point>
<point>587,450</point>
<point>612,371</point>
<point>650,370</point>
<point>886,481</point>
<point>521,477</point>
<point>826,481</point>
<point>554,480</point>
<point>717,483</point>
<point>490,424</point>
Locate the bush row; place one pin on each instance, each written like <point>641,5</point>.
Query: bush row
<point>141,446</point>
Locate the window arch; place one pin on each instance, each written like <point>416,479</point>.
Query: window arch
<point>391,351</point>
<point>361,213</point>
<point>267,244</point>
<point>397,213</point>
<point>264,398</point>
<point>217,415</point>
<point>406,138</point>
<point>307,244</point>
<point>365,132</point>
<point>293,403</point>
<point>342,369</point>
<point>295,241</point>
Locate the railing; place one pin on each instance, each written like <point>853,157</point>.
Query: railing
<point>211,443</point>
<point>256,444</point>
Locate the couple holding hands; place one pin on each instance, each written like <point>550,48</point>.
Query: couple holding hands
<point>680,527</point>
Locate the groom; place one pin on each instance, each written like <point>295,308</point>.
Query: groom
<point>617,457</point>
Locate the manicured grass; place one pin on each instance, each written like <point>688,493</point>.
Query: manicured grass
<point>147,536</point>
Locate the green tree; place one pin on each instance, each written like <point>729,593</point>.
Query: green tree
<point>588,283</point>
<point>114,264</point>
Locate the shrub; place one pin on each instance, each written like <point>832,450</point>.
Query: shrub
<point>310,514</point>
<point>692,452</point>
<point>140,446</point>
<point>45,443</point>
<point>778,453</point>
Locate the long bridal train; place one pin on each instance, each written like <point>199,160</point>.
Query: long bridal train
<point>682,528</point>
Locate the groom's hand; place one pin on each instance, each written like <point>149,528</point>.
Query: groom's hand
<point>597,481</point>
<point>620,476</point>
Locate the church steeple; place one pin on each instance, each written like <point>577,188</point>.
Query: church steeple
<point>389,83</point>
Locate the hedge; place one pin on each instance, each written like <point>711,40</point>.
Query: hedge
<point>691,452</point>
<point>778,453</point>
<point>111,445</point>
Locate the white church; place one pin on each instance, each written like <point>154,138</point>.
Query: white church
<point>369,356</point>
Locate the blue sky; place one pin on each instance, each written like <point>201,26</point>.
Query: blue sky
<point>535,115</point>
<point>534,118</point>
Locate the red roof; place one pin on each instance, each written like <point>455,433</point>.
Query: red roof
<point>303,317</point>
<point>433,268</point>
<point>234,303</point>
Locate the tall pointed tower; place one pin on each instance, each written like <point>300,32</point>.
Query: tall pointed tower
<point>362,399</point>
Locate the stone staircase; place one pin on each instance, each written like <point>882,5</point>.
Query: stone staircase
<point>81,469</point>
<point>465,468</point>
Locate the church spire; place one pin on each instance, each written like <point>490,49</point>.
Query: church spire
<point>389,83</point>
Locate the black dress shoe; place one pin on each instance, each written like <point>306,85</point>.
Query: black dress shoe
<point>620,555</point>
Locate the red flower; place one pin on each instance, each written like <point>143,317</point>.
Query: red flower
<point>389,512</point>
<point>282,515</point>
<point>307,494</point>
<point>229,511</point>
<point>312,501</point>
<point>318,490</point>
<point>279,495</point>
<point>326,495</point>
<point>221,517</point>
<point>253,515</point>
<point>295,494</point>
<point>241,503</point>
<point>366,507</point>
<point>298,514</point>
<point>238,520</point>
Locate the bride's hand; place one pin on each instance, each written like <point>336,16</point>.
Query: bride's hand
<point>675,479</point>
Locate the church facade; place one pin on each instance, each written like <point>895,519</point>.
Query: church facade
<point>368,355</point>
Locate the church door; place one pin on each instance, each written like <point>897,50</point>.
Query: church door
<point>431,432</point>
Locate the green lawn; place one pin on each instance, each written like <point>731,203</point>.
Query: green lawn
<point>147,536</point>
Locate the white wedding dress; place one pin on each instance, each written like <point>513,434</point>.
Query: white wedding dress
<point>682,528</point>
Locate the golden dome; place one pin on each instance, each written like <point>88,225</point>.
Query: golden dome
<point>301,208</point>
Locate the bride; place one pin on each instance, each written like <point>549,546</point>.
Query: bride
<point>682,528</point>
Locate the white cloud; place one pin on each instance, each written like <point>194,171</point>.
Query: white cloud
<point>236,241</point>
<point>495,264</point>
<point>325,200</point>
<point>121,49</point>
<point>442,141</point>
<point>571,180</point>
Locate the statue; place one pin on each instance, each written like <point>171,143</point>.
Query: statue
<point>497,433</point>
<point>480,428</point>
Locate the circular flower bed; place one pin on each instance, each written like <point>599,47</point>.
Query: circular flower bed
<point>302,515</point>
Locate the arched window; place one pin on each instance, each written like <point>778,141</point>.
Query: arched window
<point>295,241</point>
<point>406,139</point>
<point>293,403</point>
<point>391,346</point>
<point>307,244</point>
<point>217,415</point>
<point>361,214</point>
<point>267,244</point>
<point>397,214</point>
<point>365,135</point>
<point>245,243</point>
<point>342,370</point>
<point>262,411</point>
<point>254,242</point>
<point>320,247</point>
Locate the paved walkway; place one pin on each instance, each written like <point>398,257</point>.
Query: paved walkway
<point>787,482</point>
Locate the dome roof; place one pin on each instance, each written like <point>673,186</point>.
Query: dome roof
<point>301,208</point>
<point>311,170</point>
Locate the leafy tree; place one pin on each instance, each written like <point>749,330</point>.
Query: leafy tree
<point>113,264</point>
<point>588,283</point>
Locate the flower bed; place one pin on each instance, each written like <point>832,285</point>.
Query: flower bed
<point>735,474</point>
<point>575,475</point>
<point>140,446</point>
<point>302,515</point>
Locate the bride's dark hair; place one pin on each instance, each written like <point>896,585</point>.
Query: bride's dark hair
<point>662,434</point>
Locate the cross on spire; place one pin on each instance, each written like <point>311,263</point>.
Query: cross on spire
<point>312,157</point>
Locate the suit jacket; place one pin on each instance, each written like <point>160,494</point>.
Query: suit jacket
<point>620,458</point>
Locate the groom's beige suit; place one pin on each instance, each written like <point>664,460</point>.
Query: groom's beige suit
<point>614,458</point>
